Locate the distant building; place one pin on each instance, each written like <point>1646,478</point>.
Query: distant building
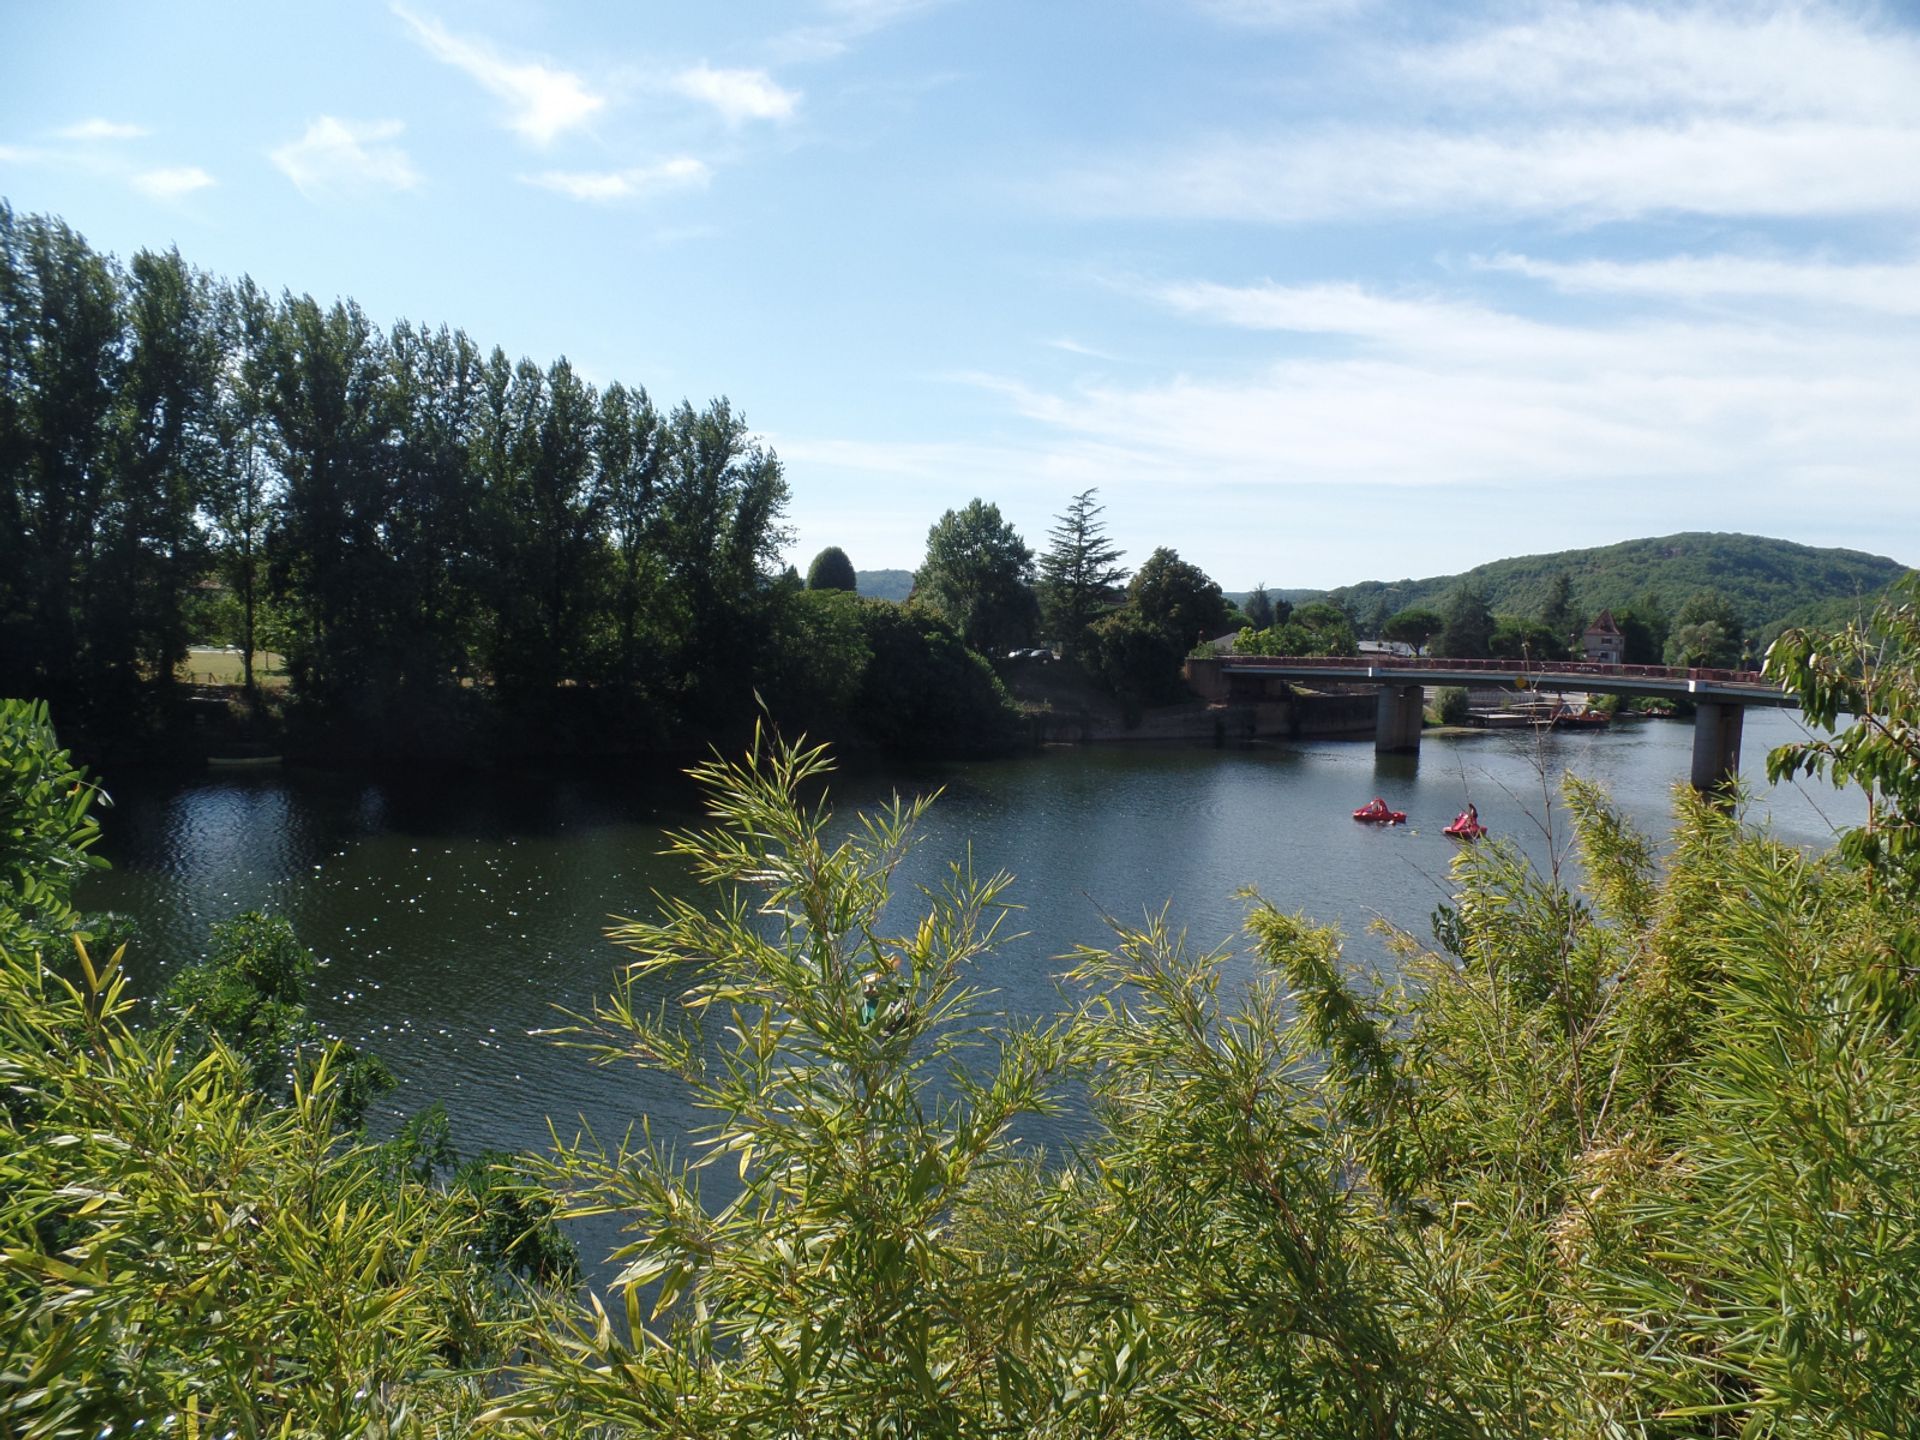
<point>1603,641</point>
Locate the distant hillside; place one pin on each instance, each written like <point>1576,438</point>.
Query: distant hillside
<point>884,584</point>
<point>1772,583</point>
<point>1275,592</point>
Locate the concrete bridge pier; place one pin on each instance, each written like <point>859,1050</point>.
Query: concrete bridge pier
<point>1716,744</point>
<point>1397,725</point>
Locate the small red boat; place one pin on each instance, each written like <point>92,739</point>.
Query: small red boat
<point>1465,827</point>
<point>1377,813</point>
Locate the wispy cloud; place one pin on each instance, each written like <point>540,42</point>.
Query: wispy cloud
<point>738,95</point>
<point>1074,347</point>
<point>342,157</point>
<point>98,129</point>
<point>1281,14</point>
<point>1887,289</point>
<point>603,186</point>
<point>1780,61</point>
<point>1587,174</point>
<point>1423,390</point>
<point>543,101</point>
<point>841,22</point>
<point>172,182</point>
<point>1583,115</point>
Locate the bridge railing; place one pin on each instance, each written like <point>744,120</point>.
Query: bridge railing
<point>1502,667</point>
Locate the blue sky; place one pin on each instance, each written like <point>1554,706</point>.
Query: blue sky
<point>1313,290</point>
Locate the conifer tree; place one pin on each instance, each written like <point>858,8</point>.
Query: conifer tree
<point>1078,572</point>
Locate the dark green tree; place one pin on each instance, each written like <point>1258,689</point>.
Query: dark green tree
<point>1413,626</point>
<point>1557,614</point>
<point>62,355</point>
<point>1079,573</point>
<point>151,548</point>
<point>549,530</point>
<point>1707,630</point>
<point>242,484</point>
<point>433,536</point>
<point>330,403</point>
<point>978,577</point>
<point>723,499</point>
<point>1469,627</point>
<point>632,453</point>
<point>832,570</point>
<point>1178,599</point>
<point>1515,638</point>
<point>1259,608</point>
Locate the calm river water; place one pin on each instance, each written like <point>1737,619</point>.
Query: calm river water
<point>454,916</point>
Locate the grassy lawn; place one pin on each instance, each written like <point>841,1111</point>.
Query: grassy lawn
<point>222,667</point>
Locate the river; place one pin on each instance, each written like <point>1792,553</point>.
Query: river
<point>456,917</point>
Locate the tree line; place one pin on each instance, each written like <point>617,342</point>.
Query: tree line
<point>433,535</point>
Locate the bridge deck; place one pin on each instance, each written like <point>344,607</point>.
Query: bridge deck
<point>1737,687</point>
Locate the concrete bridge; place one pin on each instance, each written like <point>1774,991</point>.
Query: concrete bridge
<point>1720,697</point>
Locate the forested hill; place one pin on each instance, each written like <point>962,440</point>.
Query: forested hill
<point>1770,583</point>
<point>884,584</point>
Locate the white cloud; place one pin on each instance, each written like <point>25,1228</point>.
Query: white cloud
<point>1587,173</point>
<point>1075,347</point>
<point>1581,113</point>
<point>1423,390</point>
<point>738,95</point>
<point>21,155</point>
<point>1888,289</point>
<point>98,129</point>
<point>603,186</point>
<point>345,157</point>
<point>1780,60</point>
<point>172,182</point>
<point>543,102</point>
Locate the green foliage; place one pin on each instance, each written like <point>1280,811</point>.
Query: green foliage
<point>1079,574</point>
<point>174,1254</point>
<point>832,570</point>
<point>1414,626</point>
<point>1316,628</point>
<point>1517,639</point>
<point>1260,609</point>
<point>1870,674</point>
<point>1451,706</point>
<point>1171,607</point>
<point>185,1248</point>
<point>250,993</point>
<point>47,830</point>
<point>831,1294</point>
<point>925,691</point>
<point>977,576</point>
<point>1137,659</point>
<point>1706,631</point>
<point>1178,599</point>
<point>1469,629</point>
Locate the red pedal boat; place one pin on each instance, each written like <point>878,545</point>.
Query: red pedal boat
<point>1465,827</point>
<point>1377,813</point>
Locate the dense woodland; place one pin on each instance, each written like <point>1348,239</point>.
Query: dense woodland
<point>1637,1158</point>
